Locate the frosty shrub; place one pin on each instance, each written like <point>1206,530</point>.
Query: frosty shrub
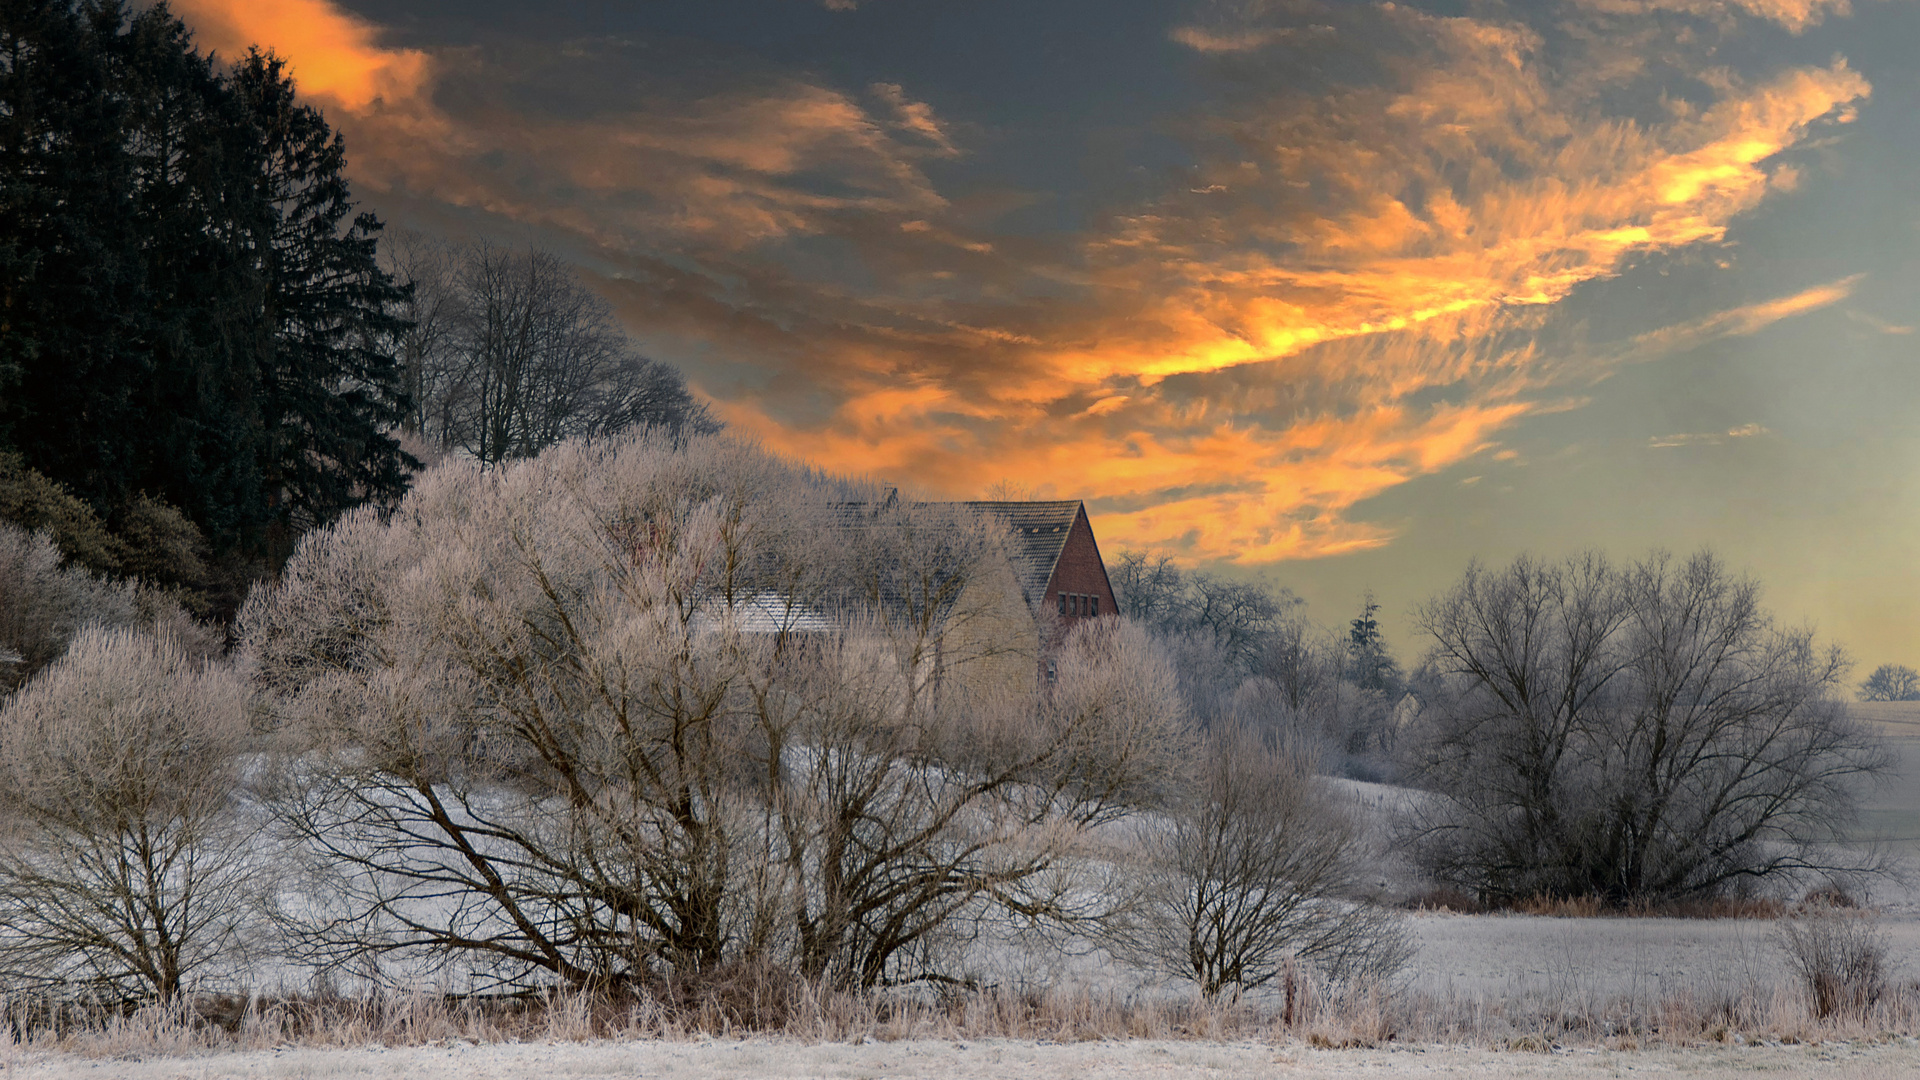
<point>124,858</point>
<point>43,604</point>
<point>658,705</point>
<point>1259,866</point>
<point>1839,955</point>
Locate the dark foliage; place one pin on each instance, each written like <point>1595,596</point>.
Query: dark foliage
<point>189,311</point>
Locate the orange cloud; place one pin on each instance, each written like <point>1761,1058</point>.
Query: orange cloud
<point>1795,15</point>
<point>332,54</point>
<point>1346,291</point>
<point>1202,39</point>
<point>1331,322</point>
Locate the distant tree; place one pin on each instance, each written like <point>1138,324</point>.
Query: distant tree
<point>1243,650</point>
<point>1635,733</point>
<point>1891,682</point>
<point>507,353</point>
<point>1150,588</point>
<point>1371,666</point>
<point>1236,617</point>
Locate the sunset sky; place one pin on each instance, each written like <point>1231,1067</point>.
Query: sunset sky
<point>1341,294</point>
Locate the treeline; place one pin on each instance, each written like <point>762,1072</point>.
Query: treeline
<point>204,351</point>
<point>1247,654</point>
<point>643,712</point>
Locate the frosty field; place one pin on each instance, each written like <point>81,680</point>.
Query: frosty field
<point>755,1059</point>
<point>1485,995</point>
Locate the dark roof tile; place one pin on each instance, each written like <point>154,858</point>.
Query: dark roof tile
<point>1040,531</point>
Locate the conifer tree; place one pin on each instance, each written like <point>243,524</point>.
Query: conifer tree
<point>190,309</point>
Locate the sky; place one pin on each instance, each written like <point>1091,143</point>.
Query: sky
<point>1339,295</point>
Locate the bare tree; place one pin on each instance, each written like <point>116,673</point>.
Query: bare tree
<point>427,344</point>
<point>1891,682</point>
<point>1240,617</point>
<point>1245,653</point>
<point>1260,866</point>
<point>645,707</point>
<point>1630,733</point>
<point>909,818</point>
<point>524,729</point>
<point>126,865</point>
<point>507,353</point>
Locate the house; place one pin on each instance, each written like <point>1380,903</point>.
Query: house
<point>997,632</point>
<point>1055,557</point>
<point>1007,621</point>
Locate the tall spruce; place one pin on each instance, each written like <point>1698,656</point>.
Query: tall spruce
<point>333,386</point>
<point>189,307</point>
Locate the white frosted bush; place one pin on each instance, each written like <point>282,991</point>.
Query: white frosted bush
<point>43,604</point>
<point>124,868</point>
<point>650,707</point>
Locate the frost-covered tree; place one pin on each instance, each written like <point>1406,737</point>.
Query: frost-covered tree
<point>653,706</point>
<point>1891,682</point>
<point>1258,865</point>
<point>127,867</point>
<point>1639,732</point>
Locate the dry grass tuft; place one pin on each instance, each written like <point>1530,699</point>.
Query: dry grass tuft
<point>743,1002</point>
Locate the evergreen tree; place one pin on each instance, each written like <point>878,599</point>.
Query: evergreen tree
<point>188,307</point>
<point>332,386</point>
<point>1371,667</point>
<point>71,290</point>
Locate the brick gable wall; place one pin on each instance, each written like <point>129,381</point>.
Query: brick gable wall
<point>1080,574</point>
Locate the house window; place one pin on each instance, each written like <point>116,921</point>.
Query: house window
<point>1093,605</point>
<point>1063,603</point>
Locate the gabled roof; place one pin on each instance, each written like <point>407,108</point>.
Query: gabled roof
<point>1040,531</point>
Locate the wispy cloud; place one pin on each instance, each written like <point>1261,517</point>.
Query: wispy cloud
<point>1795,15</point>
<point>1710,438</point>
<point>1350,287</point>
<point>1877,323</point>
<point>1245,39</point>
<point>1741,321</point>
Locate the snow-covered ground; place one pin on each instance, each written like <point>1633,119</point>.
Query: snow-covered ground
<point>1519,956</point>
<point>1517,966</point>
<point>756,1059</point>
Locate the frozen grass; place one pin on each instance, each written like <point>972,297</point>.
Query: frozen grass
<point>1734,1009</point>
<point>771,1059</point>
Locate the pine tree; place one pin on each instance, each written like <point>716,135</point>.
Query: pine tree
<point>1371,666</point>
<point>330,387</point>
<point>190,310</point>
<point>71,290</point>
